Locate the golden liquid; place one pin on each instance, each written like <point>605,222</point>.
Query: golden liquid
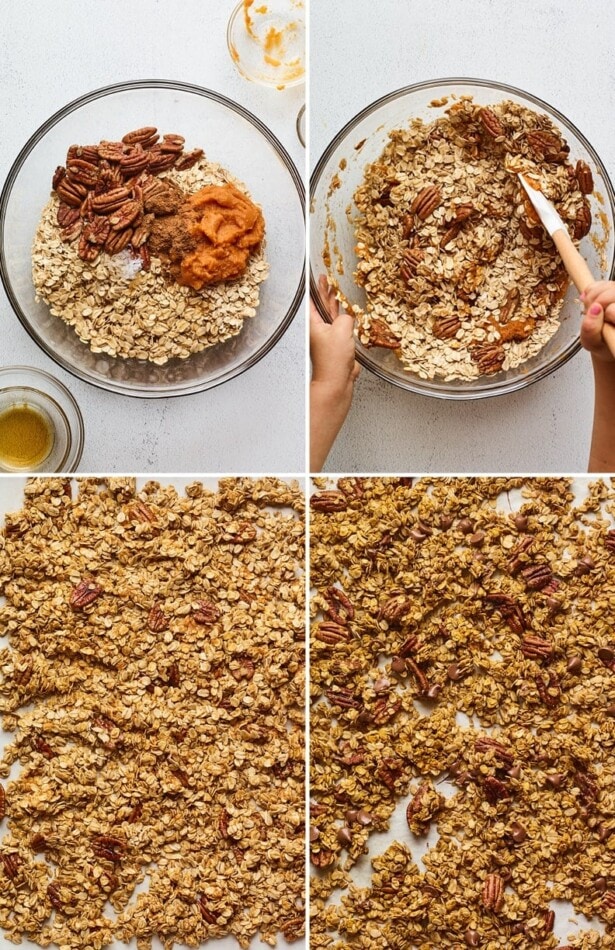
<point>26,437</point>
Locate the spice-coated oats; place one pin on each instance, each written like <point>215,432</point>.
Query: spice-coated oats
<point>461,278</point>
<point>462,640</point>
<point>117,308</point>
<point>153,685</point>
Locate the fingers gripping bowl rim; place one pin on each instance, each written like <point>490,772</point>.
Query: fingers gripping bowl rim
<point>339,172</point>
<point>230,135</point>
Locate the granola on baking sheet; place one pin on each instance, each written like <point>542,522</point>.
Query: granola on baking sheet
<point>460,277</point>
<point>148,251</point>
<point>152,686</point>
<point>463,679</point>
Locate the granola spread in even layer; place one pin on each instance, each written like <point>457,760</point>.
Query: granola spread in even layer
<point>463,677</point>
<point>460,276</point>
<point>148,251</point>
<point>153,784</point>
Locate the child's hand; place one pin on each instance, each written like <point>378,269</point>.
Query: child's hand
<point>599,302</point>
<point>334,367</point>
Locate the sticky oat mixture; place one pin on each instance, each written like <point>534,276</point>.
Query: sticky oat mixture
<point>463,636</point>
<point>128,306</point>
<point>461,279</point>
<point>151,684</point>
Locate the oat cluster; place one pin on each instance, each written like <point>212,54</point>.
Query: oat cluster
<point>463,667</point>
<point>460,277</point>
<point>152,682</point>
<point>119,308</point>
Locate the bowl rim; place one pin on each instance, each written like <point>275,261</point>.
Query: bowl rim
<point>110,385</point>
<point>417,386</point>
<point>77,435</point>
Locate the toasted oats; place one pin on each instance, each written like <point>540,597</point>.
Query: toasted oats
<point>170,755</point>
<point>452,637</point>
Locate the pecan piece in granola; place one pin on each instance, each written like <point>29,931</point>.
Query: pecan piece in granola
<point>323,858</point>
<point>452,231</point>
<point>11,862</point>
<point>537,576</point>
<point>584,177</point>
<point>381,335</point>
<point>549,691</point>
<point>2,802</point>
<point>329,501</point>
<point>157,620</point>
<point>547,146</point>
<point>445,328</point>
<point>109,847</point>
<point>411,258</point>
<point>486,744</point>
<point>493,893</point>
<point>491,123</point>
<point>495,790</point>
<point>331,633</point>
<point>508,308</point>
<point>85,593</point>
<point>489,357</point>
<point>340,608</point>
<point>207,613</point>
<point>206,913</point>
<point>609,540</point>
<point>394,608</point>
<point>536,648</point>
<point>583,222</point>
<point>426,202</point>
<point>511,611</point>
<point>344,698</point>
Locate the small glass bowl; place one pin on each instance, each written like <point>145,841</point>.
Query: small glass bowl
<point>24,385</point>
<point>231,136</point>
<point>266,41</point>
<point>339,172</point>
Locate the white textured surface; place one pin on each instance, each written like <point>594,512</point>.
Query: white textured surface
<point>561,51</point>
<point>51,53</point>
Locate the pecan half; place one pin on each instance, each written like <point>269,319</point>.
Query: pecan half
<point>537,576</point>
<point>96,229</point>
<point>125,215</point>
<point>65,215</point>
<point>389,771</point>
<point>536,648</point>
<point>411,258</point>
<point>328,501</point>
<point>322,858</point>
<point>332,633</point>
<point>109,848</point>
<point>408,647</point>
<point>495,790</point>
<point>189,159</point>
<point>54,895</point>
<point>511,611</point>
<point>72,232</point>
<point>491,124</point>
<point>426,202</point>
<point>489,357</point>
<point>493,893</point>
<point>140,135</point>
<point>207,613</point>
<point>87,252</point>
<point>85,593</point>
<point>584,177</point>
<point>464,212</point>
<point>510,305</point>
<point>547,146</point>
<point>381,335</point>
<point>445,328</point>
<point>582,223</point>
<point>342,697</point>
<point>485,744</point>
<point>11,862</point>
<point>117,241</point>
<point>340,609</point>
<point>110,201</point>
<point>385,710</point>
<point>395,608</point>
<point>157,620</point>
<point>450,234</point>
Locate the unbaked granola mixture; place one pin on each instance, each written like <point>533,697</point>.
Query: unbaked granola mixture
<point>463,637</point>
<point>152,684</point>
<point>122,301</point>
<point>461,278</point>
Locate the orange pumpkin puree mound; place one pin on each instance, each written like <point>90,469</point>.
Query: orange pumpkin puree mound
<point>226,227</point>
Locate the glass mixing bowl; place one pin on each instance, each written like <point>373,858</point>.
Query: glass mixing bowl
<point>230,135</point>
<point>340,171</point>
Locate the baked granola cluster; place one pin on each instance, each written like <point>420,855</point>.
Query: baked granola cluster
<point>153,685</point>
<point>463,669</point>
<point>461,278</point>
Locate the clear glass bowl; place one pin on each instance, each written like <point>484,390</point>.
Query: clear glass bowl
<point>329,221</point>
<point>230,135</point>
<point>266,42</point>
<point>21,385</point>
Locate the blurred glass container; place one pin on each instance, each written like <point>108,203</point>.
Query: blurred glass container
<point>36,401</point>
<point>266,40</point>
<point>340,171</point>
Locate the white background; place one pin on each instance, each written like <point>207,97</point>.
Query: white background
<point>562,51</point>
<point>53,52</point>
<point>11,500</point>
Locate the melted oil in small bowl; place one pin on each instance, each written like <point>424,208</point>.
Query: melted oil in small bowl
<point>26,437</point>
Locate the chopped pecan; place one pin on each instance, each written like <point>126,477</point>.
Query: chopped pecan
<point>394,608</point>
<point>511,611</point>
<point>584,177</point>
<point>135,813</point>
<point>342,697</point>
<point>329,501</point>
<point>339,609</point>
<point>485,744</point>
<point>491,123</point>
<point>352,487</point>
<point>549,692</point>
<point>583,222</point>
<point>493,893</point>
<point>241,533</point>
<point>54,895</point>
<point>426,202</point>
<point>207,613</point>
<point>385,710</point>
<point>450,234</point>
<point>445,328</point>
<point>495,790</point>
<point>223,820</point>
<point>173,678</point>
<point>157,620</point>
<point>322,858</point>
<point>293,929</point>
<point>109,848</point>
<point>510,305</point>
<point>489,357</point>
<point>537,576</point>
<point>536,648</point>
<point>381,335</point>
<point>85,593</point>
<point>244,670</point>
<point>11,862</point>
<point>389,770</point>
<point>206,913</point>
<point>40,745</point>
<point>2,802</point>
